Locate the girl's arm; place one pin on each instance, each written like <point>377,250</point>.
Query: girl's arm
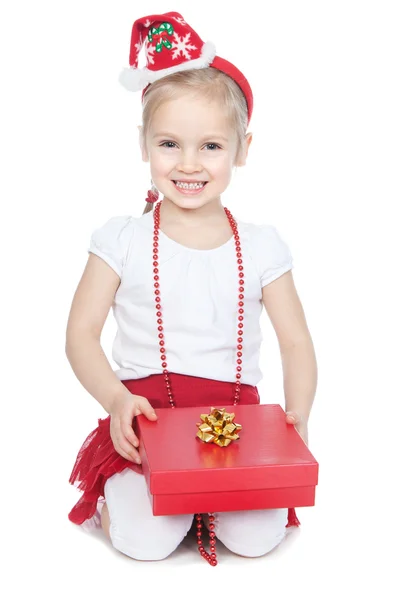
<point>296,347</point>
<point>90,306</point>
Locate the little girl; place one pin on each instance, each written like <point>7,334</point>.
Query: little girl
<point>187,283</point>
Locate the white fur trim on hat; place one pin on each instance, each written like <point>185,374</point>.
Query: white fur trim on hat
<point>135,80</point>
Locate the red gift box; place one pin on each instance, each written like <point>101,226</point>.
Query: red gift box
<point>268,467</point>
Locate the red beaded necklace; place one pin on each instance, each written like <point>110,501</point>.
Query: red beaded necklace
<point>210,557</point>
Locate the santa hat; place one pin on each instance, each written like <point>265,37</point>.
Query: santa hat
<point>171,45</point>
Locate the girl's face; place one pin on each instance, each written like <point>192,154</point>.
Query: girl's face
<point>192,148</point>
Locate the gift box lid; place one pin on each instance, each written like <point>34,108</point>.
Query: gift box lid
<point>269,454</point>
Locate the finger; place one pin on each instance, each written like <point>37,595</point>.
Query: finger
<point>146,409</point>
<point>124,454</point>
<point>129,434</point>
<point>292,417</point>
<point>123,447</point>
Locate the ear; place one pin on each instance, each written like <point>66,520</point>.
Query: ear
<point>145,156</point>
<point>242,156</point>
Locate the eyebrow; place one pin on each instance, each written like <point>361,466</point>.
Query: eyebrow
<point>206,137</point>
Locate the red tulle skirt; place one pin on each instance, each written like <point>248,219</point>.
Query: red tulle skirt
<point>98,460</point>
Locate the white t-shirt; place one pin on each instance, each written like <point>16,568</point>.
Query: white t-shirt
<point>199,297</point>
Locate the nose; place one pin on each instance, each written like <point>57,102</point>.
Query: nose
<point>189,163</point>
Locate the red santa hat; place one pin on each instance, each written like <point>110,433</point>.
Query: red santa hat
<point>171,45</point>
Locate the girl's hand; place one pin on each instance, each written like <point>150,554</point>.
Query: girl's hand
<point>294,418</point>
<point>122,413</point>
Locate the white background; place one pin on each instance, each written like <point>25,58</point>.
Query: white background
<point>323,168</point>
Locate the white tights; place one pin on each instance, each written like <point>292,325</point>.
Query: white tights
<point>136,532</point>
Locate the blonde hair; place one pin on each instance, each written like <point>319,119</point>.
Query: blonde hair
<point>208,82</point>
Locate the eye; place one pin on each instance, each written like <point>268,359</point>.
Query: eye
<point>213,146</point>
<point>167,145</point>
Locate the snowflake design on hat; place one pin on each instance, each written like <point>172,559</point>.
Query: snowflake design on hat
<point>180,20</point>
<point>149,51</point>
<point>181,46</point>
<point>139,45</point>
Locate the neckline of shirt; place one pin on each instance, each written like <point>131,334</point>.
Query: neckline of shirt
<point>149,221</point>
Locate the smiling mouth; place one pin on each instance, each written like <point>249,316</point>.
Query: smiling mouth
<point>186,185</point>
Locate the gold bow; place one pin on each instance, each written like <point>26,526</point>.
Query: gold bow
<point>218,427</point>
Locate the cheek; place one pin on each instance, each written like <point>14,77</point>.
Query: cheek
<point>221,167</point>
<point>160,163</point>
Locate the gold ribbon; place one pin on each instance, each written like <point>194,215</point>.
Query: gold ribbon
<point>218,427</point>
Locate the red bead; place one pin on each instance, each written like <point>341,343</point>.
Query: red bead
<point>241,296</point>
<point>241,281</point>
<point>211,518</point>
<point>158,299</point>
<point>241,303</point>
<point>201,549</point>
<point>156,285</point>
<point>238,376</point>
<point>199,542</point>
<point>213,562</point>
<point>240,332</point>
<point>156,277</point>
<point>241,311</point>
<point>239,368</point>
<point>155,270</point>
<point>198,517</point>
<point>155,264</point>
<point>241,289</point>
<point>239,361</point>
<point>158,307</point>
<point>213,555</point>
<point>164,365</point>
<point>212,526</point>
<point>239,354</point>
<point>241,318</point>
<point>161,335</point>
<point>161,342</point>
<point>160,328</point>
<point>239,261</point>
<point>159,320</point>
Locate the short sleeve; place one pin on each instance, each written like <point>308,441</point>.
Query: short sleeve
<point>111,242</point>
<point>273,255</point>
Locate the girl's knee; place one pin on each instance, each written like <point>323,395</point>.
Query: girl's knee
<point>251,533</point>
<point>153,543</point>
<point>133,528</point>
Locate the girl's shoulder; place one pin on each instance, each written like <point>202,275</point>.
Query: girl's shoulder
<point>119,228</point>
<point>268,249</point>
<point>261,235</point>
<point>112,240</point>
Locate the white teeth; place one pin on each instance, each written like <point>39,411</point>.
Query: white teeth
<point>189,186</point>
